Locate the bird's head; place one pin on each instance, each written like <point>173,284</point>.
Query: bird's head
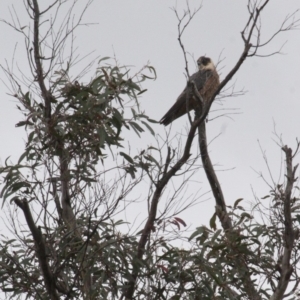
<point>205,63</point>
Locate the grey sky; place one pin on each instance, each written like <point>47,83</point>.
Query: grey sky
<point>141,31</point>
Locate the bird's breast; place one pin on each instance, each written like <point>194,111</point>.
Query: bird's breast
<point>210,87</point>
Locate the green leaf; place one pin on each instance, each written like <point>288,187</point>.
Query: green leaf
<point>246,215</point>
<point>88,179</point>
<point>120,222</point>
<point>136,126</point>
<point>27,98</point>
<point>151,158</point>
<point>141,92</point>
<point>18,185</point>
<point>102,136</point>
<point>200,230</point>
<point>127,157</point>
<point>118,115</point>
<point>103,58</point>
<point>30,137</point>
<point>134,113</point>
<point>151,69</point>
<point>212,222</point>
<point>117,121</point>
<point>9,242</point>
<point>149,128</point>
<point>23,123</point>
<point>237,202</point>
<point>215,236</point>
<point>256,241</point>
<point>58,107</point>
<point>133,85</point>
<point>6,161</point>
<point>152,121</point>
<point>23,156</point>
<point>152,148</point>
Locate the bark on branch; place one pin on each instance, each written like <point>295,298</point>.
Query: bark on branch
<point>46,94</point>
<point>64,159</point>
<point>289,235</point>
<point>40,249</point>
<point>221,211</point>
<point>213,180</point>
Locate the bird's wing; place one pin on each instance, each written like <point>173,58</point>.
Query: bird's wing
<point>200,78</point>
<point>177,110</point>
<point>182,104</point>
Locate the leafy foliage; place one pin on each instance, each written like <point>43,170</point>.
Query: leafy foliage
<point>85,121</point>
<point>68,244</point>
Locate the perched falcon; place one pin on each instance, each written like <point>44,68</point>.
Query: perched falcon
<point>207,82</point>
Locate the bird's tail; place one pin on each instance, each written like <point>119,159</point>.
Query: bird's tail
<point>175,112</point>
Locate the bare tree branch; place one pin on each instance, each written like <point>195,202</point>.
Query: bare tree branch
<point>181,28</point>
<point>286,269</point>
<point>47,96</point>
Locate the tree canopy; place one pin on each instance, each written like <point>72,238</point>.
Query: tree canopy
<point>67,237</point>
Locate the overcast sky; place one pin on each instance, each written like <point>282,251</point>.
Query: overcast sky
<point>141,31</point>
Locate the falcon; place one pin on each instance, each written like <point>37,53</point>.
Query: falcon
<point>206,81</point>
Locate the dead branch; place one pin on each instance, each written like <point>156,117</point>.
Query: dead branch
<point>286,269</point>
<point>181,28</point>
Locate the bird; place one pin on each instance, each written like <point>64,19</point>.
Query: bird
<point>206,80</point>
